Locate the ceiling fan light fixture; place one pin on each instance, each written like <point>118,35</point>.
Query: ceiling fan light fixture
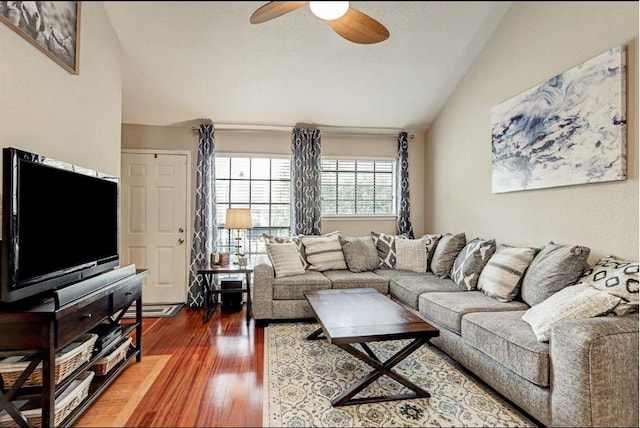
<point>329,10</point>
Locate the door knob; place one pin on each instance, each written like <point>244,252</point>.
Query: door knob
<point>181,230</point>
<point>181,241</point>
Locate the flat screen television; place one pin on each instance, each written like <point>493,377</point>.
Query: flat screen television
<point>60,224</point>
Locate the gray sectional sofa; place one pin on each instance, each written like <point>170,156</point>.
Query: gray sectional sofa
<point>586,375</point>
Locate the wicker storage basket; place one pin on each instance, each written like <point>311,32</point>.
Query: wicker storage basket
<point>104,365</point>
<point>68,359</point>
<point>70,398</point>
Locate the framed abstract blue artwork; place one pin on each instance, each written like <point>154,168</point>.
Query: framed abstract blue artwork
<point>569,130</point>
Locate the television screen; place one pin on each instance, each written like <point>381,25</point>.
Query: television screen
<point>66,219</point>
<point>60,222</point>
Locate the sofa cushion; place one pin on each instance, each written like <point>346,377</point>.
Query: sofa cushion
<point>552,269</point>
<point>341,279</point>
<point>324,252</point>
<point>407,286</point>
<point>571,303</point>
<point>470,262</point>
<point>385,246</point>
<point>447,309</point>
<point>502,275</point>
<point>360,253</point>
<point>293,287</point>
<point>446,252</point>
<point>285,259</point>
<point>507,339</point>
<point>618,277</point>
<point>411,254</point>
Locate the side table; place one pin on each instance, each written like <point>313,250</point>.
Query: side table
<point>210,291</point>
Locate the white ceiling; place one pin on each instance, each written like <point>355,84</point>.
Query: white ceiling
<point>184,61</point>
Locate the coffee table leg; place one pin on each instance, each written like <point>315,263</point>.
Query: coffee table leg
<point>316,335</point>
<point>369,351</point>
<point>380,369</point>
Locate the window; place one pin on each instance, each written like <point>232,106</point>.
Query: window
<point>358,187</point>
<point>261,184</point>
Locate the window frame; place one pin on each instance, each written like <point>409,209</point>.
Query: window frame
<point>250,253</point>
<point>365,217</point>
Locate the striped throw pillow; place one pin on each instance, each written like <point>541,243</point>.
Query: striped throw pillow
<point>268,239</point>
<point>324,252</point>
<point>502,275</point>
<point>285,259</point>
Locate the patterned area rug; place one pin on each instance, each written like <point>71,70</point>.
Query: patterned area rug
<point>303,376</point>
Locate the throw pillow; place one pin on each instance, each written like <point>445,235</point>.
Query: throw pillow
<point>470,262</point>
<point>618,277</point>
<point>269,239</point>
<point>359,253</point>
<point>285,259</point>
<point>432,242</point>
<point>502,275</point>
<point>571,303</point>
<point>552,269</point>
<point>324,252</point>
<point>411,254</point>
<point>385,245</point>
<point>446,252</point>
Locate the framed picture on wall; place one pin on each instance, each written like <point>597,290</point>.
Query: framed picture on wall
<point>568,130</point>
<point>51,26</point>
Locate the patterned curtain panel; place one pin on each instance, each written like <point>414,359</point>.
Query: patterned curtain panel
<point>204,231</point>
<point>305,177</point>
<point>404,205</point>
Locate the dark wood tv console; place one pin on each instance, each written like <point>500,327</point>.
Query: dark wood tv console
<point>40,329</point>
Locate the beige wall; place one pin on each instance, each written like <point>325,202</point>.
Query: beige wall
<point>535,41</point>
<point>182,138</point>
<point>46,110</point>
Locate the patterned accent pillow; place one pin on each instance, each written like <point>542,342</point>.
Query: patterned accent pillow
<point>502,275</point>
<point>470,262</point>
<point>618,277</point>
<point>269,239</point>
<point>432,242</point>
<point>324,252</point>
<point>446,252</point>
<point>552,269</point>
<point>411,254</point>
<point>385,245</point>
<point>571,303</point>
<point>359,253</point>
<point>285,259</point>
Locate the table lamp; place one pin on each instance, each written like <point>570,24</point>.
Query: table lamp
<point>238,218</point>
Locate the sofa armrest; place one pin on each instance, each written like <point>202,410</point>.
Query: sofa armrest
<point>595,372</point>
<point>263,274</point>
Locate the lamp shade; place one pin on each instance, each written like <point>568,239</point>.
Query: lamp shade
<point>238,218</point>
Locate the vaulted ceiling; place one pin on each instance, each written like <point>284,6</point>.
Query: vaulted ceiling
<point>184,61</point>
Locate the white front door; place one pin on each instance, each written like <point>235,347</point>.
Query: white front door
<point>153,193</point>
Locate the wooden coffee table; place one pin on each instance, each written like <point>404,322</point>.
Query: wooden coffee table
<point>364,315</point>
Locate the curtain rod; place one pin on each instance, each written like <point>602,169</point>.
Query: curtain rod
<point>287,130</point>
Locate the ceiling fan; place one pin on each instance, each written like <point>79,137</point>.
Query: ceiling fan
<point>348,22</point>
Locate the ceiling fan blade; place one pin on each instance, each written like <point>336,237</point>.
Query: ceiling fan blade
<point>357,27</point>
<point>274,9</point>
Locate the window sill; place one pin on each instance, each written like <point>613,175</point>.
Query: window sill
<point>359,217</point>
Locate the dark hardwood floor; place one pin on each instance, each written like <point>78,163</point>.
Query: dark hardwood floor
<point>214,374</point>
